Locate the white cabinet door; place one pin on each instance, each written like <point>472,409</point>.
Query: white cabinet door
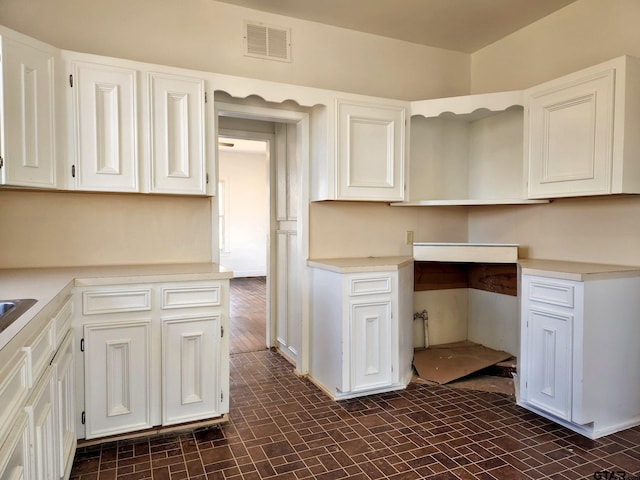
<point>570,137</point>
<point>15,462</point>
<point>190,369</point>
<point>549,360</point>
<point>371,336</point>
<point>370,151</point>
<point>43,427</point>
<point>27,145</point>
<point>105,127</point>
<point>64,362</point>
<point>117,376</point>
<point>177,134</point>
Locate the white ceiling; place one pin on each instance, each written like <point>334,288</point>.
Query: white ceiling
<point>462,25</point>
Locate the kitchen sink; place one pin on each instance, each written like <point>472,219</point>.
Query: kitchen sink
<point>10,310</point>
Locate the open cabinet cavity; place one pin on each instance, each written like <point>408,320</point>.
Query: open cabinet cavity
<point>466,309</point>
<point>467,151</point>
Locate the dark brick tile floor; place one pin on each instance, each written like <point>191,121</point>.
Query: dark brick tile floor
<point>283,427</point>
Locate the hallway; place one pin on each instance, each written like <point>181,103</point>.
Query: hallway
<point>247,312</point>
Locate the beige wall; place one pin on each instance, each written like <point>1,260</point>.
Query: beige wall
<point>207,35</point>
<point>41,229</point>
<point>204,35</point>
<point>604,230</point>
<point>581,34</point>
<point>355,229</point>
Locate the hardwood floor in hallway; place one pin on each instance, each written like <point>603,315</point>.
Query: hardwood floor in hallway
<point>248,313</point>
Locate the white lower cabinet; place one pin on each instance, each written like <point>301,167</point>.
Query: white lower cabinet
<point>578,335</point>
<point>117,377</point>
<point>189,347</point>
<point>15,460</point>
<point>37,429</point>
<point>361,331</point>
<point>43,427</point>
<point>65,405</point>
<point>154,354</point>
<point>371,365</point>
<point>549,361</point>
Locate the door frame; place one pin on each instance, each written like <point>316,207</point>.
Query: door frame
<point>301,121</point>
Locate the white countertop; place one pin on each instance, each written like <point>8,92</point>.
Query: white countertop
<point>44,284</point>
<point>359,264</point>
<point>576,271</point>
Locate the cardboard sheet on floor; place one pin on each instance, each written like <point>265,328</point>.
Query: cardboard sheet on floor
<point>445,363</point>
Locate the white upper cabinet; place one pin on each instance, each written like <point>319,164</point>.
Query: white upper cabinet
<point>358,150</point>
<point>177,134</point>
<point>581,132</point>
<point>467,150</point>
<point>27,98</point>
<point>370,144</point>
<point>105,127</point>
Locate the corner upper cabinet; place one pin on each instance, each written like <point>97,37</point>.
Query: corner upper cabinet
<point>369,152</point>
<point>177,134</point>
<point>27,116</point>
<point>104,124</point>
<point>467,150</point>
<point>581,132</point>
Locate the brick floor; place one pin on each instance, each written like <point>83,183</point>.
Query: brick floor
<point>281,426</point>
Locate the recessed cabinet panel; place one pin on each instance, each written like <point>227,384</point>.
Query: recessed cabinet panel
<point>65,405</point>
<point>571,134</point>
<point>117,377</point>
<point>14,387</point>
<point>553,293</point>
<point>369,285</point>
<point>370,149</point>
<point>118,301</point>
<point>43,425</point>
<point>106,137</point>
<point>549,380</point>
<point>177,123</point>
<point>190,349</point>
<point>29,144</point>
<point>15,461</point>
<point>371,365</point>
<point>191,296</point>
<point>40,350</point>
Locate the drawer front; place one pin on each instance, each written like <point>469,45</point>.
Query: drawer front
<point>369,285</point>
<point>40,351</point>
<point>63,320</point>
<point>552,292</point>
<point>191,296</point>
<point>14,387</point>
<point>99,302</point>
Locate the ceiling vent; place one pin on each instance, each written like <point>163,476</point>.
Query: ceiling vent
<point>267,41</point>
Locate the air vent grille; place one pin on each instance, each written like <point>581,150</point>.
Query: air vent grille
<point>267,41</point>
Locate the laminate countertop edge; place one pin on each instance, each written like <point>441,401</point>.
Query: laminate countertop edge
<point>360,264</point>
<point>576,271</point>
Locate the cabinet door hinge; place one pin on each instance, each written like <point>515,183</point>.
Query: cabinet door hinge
<point>207,178</point>
<point>84,418</point>
<point>73,171</point>
<point>221,331</point>
<point>71,81</point>
<point>82,344</point>
<point>205,97</point>
<point>1,161</point>
<point>221,396</point>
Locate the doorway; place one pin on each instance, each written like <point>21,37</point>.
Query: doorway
<point>286,318</point>
<point>243,229</point>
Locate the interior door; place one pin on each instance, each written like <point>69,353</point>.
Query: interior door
<point>285,270</point>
